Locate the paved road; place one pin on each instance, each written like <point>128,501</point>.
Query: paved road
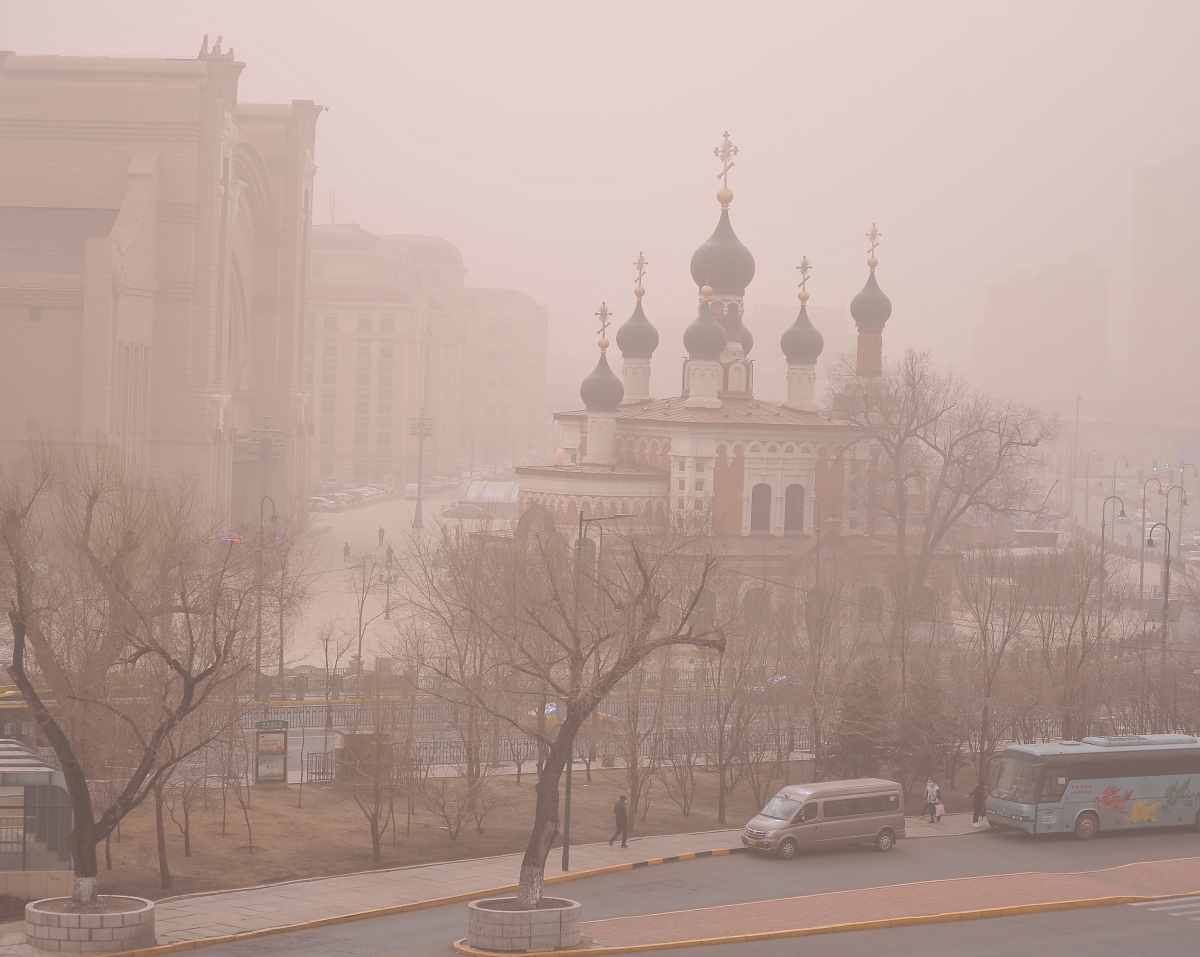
<point>747,877</point>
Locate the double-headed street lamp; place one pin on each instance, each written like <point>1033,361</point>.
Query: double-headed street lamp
<point>1142,558</point>
<point>262,542</point>
<point>1164,644</point>
<point>422,427</point>
<point>1167,510</point>
<point>583,524</point>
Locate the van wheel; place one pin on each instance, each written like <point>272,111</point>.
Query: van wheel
<point>788,849</point>
<point>885,840</point>
<point>1087,826</point>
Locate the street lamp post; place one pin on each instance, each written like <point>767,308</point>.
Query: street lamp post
<point>583,523</point>
<point>262,543</point>
<point>1087,494</point>
<point>1142,559</point>
<point>422,427</point>
<point>1103,566</point>
<point>1167,509</point>
<point>1164,643</point>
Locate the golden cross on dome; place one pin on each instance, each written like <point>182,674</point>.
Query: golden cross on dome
<point>874,235</point>
<point>603,314</point>
<point>640,266</point>
<point>805,268</point>
<point>725,153</point>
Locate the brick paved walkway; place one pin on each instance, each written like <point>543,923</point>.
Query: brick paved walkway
<point>1157,878</point>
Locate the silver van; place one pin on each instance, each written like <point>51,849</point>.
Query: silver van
<point>865,810</point>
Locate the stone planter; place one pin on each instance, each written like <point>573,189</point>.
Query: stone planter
<point>117,923</point>
<point>498,924</point>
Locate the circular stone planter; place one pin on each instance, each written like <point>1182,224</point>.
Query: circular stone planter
<point>111,924</point>
<point>499,924</point>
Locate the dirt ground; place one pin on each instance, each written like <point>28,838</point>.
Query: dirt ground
<point>329,834</point>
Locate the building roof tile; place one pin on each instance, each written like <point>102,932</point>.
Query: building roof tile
<point>37,237</point>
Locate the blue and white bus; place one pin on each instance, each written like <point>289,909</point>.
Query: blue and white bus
<point>1097,784</point>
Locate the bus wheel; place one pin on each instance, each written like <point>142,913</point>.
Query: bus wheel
<point>885,840</point>
<point>1087,826</point>
<point>788,849</point>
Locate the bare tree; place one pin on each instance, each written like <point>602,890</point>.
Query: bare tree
<point>524,596</point>
<point>134,613</point>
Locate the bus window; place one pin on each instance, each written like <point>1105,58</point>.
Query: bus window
<point>1054,782</point>
<point>1019,779</point>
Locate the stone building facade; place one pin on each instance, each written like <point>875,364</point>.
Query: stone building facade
<point>153,259</point>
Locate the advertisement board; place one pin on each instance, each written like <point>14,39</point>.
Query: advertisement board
<point>270,752</point>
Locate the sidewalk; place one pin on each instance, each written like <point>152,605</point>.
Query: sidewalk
<point>220,913</point>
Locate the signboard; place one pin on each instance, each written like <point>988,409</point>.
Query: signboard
<point>270,752</point>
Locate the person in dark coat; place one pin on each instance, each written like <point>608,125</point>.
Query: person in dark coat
<point>978,800</point>
<point>346,552</point>
<point>621,812</point>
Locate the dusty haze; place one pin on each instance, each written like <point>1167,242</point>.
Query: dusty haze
<point>552,142</point>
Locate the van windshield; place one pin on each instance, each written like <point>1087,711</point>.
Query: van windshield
<point>781,808</point>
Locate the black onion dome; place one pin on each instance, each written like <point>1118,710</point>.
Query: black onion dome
<point>602,390</point>
<point>637,338</point>
<point>801,342</point>
<point>747,341</point>
<point>704,338</point>
<point>870,308</point>
<point>723,262</point>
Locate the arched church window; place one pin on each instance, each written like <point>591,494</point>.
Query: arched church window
<point>760,508</point>
<point>793,509</point>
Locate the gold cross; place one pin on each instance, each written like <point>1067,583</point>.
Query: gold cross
<point>603,315</point>
<point>640,266</point>
<point>805,268</point>
<point>874,236</point>
<point>725,153</point>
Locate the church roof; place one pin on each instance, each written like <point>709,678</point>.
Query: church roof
<point>40,237</point>
<point>733,410</point>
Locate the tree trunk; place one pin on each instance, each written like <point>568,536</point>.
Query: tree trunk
<point>545,823</point>
<point>83,852</point>
<point>187,828</point>
<point>160,834</point>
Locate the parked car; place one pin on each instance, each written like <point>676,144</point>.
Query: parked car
<point>861,811</point>
<point>410,490</point>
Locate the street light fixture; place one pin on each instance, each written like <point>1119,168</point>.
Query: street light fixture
<point>1164,643</point>
<point>422,427</point>
<point>583,523</point>
<point>1167,510</point>
<point>1142,558</point>
<point>262,541</point>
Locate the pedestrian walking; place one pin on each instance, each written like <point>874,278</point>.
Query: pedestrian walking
<point>938,807</point>
<point>381,535</point>
<point>978,799</point>
<point>930,807</point>
<point>346,552</point>
<point>621,813</point>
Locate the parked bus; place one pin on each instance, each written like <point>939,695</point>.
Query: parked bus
<point>1097,784</point>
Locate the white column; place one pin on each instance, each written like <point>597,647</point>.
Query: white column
<point>704,384</point>
<point>601,439</point>
<point>635,376</point>
<point>801,387</point>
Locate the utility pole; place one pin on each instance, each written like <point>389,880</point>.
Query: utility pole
<point>422,427</point>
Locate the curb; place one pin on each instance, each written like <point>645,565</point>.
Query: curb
<point>462,947</point>
<point>185,945</point>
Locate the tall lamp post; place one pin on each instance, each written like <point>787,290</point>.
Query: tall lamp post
<point>1087,494</point>
<point>262,543</point>
<point>422,427</point>
<point>1142,559</point>
<point>1167,509</point>
<point>1164,643</point>
<point>387,607</point>
<point>1103,566</point>
<point>583,524</point>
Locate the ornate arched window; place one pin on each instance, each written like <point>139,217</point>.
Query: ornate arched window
<point>793,509</point>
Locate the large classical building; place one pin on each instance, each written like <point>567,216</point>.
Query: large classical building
<point>395,334</point>
<point>153,254</point>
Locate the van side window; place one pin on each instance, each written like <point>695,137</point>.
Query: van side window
<point>808,812</point>
<point>874,804</point>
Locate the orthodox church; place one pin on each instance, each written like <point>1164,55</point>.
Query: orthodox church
<point>772,479</point>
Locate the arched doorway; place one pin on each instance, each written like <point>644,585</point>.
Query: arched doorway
<point>760,508</point>
<point>793,509</point>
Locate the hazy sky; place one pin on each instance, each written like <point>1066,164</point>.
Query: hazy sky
<point>552,141</point>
